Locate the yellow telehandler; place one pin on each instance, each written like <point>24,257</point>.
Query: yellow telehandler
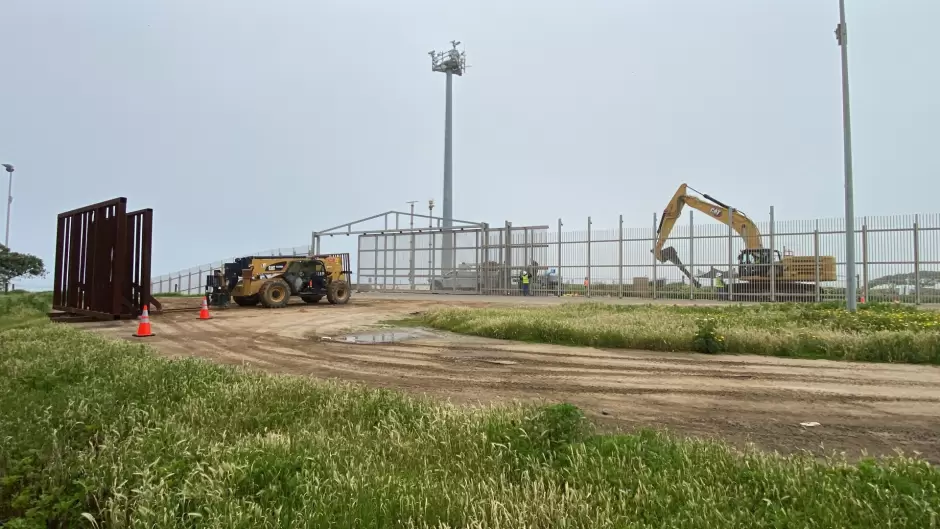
<point>272,280</point>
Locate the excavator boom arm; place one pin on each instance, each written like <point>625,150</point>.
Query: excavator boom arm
<point>740,222</point>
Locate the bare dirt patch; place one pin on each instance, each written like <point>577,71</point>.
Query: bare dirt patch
<point>860,407</point>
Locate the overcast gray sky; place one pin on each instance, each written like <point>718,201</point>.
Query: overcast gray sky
<point>246,125</point>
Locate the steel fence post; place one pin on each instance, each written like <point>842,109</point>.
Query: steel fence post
<point>729,284</point>
<point>559,279</point>
<point>816,261</point>
<point>433,273</point>
<point>916,259</point>
<point>691,255</point>
<point>620,259</point>
<point>507,273</point>
<point>773,252</point>
<point>501,260</point>
<point>653,243</point>
<point>480,257</point>
<point>525,246</point>
<point>384,256</point>
<point>395,255</point>
<point>525,250</point>
<point>189,281</point>
<point>359,260</point>
<point>865,258</point>
<point>413,256</point>
<point>487,286</point>
<point>587,291</point>
<point>451,238</point>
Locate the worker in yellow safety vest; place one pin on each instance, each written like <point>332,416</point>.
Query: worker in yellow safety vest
<point>719,283</point>
<point>524,279</point>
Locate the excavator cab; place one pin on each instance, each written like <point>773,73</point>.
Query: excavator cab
<point>756,262</point>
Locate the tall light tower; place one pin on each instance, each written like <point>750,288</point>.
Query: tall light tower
<point>850,291</point>
<point>451,62</point>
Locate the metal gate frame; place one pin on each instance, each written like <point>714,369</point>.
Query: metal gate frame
<point>102,261</point>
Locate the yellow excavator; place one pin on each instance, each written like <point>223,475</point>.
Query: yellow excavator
<point>794,276</point>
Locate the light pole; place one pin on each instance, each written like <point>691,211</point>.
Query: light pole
<point>6,237</point>
<point>850,290</point>
<point>452,62</point>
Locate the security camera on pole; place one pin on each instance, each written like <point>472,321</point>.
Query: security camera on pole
<point>452,62</point>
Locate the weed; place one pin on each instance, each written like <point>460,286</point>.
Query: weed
<point>707,339</point>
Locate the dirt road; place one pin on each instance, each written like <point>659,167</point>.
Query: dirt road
<point>871,407</point>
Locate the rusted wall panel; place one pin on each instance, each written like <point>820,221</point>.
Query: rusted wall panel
<point>102,266</point>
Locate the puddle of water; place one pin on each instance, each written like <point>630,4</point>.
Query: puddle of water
<point>379,337</point>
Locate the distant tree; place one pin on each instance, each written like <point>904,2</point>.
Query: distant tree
<point>15,264</point>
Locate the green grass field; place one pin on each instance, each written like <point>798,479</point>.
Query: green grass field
<point>876,333</point>
<point>104,433</point>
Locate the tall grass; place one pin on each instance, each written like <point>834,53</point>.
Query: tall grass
<point>98,432</point>
<point>21,309</point>
<point>879,333</point>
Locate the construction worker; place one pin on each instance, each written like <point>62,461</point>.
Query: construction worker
<point>524,279</point>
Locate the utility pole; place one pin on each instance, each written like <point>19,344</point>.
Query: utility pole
<point>411,250</point>
<point>850,288</point>
<point>452,62</point>
<point>6,237</point>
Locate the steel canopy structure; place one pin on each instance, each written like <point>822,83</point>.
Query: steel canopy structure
<point>348,227</point>
<point>395,253</point>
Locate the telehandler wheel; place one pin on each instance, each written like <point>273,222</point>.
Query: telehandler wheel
<point>246,301</point>
<point>311,299</point>
<point>274,294</point>
<point>338,292</point>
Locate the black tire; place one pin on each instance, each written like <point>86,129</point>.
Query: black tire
<point>246,301</point>
<point>338,292</point>
<point>311,299</point>
<point>274,294</point>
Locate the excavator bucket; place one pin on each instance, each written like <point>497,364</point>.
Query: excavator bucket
<point>671,255</point>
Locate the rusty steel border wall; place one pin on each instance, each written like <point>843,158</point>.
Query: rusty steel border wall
<point>102,261</point>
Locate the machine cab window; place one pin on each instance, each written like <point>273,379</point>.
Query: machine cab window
<point>307,269</point>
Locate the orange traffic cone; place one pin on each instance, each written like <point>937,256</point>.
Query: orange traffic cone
<point>143,328</point>
<point>204,311</point>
